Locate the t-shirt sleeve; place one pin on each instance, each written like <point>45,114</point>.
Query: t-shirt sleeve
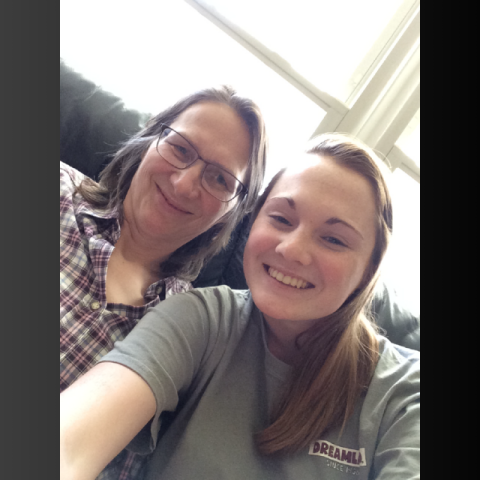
<point>175,339</point>
<point>397,453</point>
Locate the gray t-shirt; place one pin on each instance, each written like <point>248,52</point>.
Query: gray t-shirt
<point>203,354</point>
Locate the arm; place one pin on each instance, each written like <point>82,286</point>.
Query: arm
<point>175,339</point>
<point>99,415</point>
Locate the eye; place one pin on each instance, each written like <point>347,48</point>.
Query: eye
<point>280,219</point>
<point>179,149</point>
<point>181,152</point>
<point>165,133</point>
<point>220,179</point>
<point>334,241</point>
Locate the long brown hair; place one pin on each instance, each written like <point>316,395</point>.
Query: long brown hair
<point>337,356</point>
<point>115,180</point>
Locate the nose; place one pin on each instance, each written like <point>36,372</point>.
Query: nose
<point>188,182</point>
<point>295,247</point>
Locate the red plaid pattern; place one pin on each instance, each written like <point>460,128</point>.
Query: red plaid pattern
<point>89,326</point>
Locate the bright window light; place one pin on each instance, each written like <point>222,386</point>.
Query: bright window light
<point>325,41</point>
<point>152,52</point>
<point>409,141</point>
<point>401,267</point>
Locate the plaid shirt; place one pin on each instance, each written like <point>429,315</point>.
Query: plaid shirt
<point>89,326</point>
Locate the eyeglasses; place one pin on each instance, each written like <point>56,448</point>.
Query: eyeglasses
<point>180,153</point>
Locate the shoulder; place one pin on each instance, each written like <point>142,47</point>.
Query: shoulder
<point>396,360</point>
<point>69,177</point>
<point>69,180</point>
<point>395,385</point>
<point>398,369</point>
<point>212,312</point>
<point>214,302</point>
<point>174,285</point>
<point>224,300</point>
<point>193,327</point>
<point>223,295</point>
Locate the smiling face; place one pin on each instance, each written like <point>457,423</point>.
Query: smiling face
<point>169,205</point>
<point>311,242</point>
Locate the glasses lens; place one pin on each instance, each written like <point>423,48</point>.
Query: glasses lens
<point>220,183</point>
<point>175,149</point>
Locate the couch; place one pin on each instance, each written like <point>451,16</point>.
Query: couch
<point>93,123</point>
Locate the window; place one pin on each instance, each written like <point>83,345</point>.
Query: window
<point>153,52</point>
<point>401,267</point>
<point>325,42</point>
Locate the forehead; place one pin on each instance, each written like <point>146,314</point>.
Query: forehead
<point>218,134</point>
<point>209,115</point>
<point>319,186</point>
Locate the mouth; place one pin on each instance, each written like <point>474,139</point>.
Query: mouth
<point>288,280</point>
<point>171,204</point>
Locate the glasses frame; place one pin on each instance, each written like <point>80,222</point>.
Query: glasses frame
<point>242,190</point>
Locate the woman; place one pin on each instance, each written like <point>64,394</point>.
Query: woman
<point>287,380</point>
<point>167,202</point>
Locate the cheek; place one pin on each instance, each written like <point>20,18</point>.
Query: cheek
<point>259,245</point>
<point>259,242</point>
<point>142,181</point>
<point>209,213</point>
<point>344,274</point>
<point>213,209</point>
<point>249,256</point>
<point>144,171</point>
<point>152,163</point>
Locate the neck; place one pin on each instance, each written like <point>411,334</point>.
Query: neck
<point>137,249</point>
<point>282,336</point>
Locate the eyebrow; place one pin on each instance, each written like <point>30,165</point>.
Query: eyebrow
<point>290,201</point>
<point>201,158</point>
<point>334,220</point>
<point>330,221</point>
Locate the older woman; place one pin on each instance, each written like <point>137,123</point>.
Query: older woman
<point>167,202</point>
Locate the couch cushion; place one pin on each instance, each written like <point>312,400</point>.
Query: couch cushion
<point>93,123</point>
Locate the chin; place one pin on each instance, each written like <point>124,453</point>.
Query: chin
<point>279,308</point>
<point>276,308</point>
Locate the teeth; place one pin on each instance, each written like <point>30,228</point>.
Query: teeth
<point>286,279</point>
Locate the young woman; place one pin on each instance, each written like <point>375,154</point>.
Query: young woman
<point>167,202</point>
<point>285,380</point>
